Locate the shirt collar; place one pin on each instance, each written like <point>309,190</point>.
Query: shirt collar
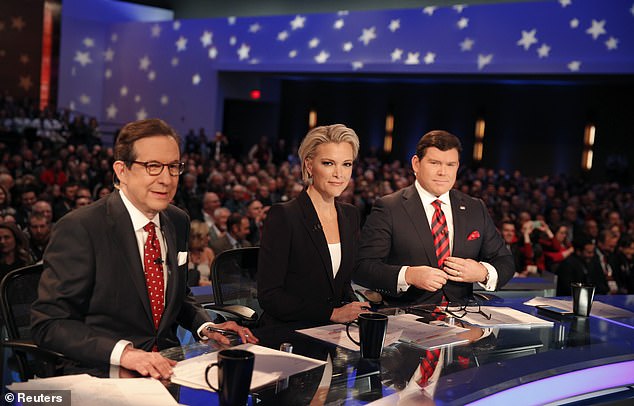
<point>139,220</point>
<point>427,198</point>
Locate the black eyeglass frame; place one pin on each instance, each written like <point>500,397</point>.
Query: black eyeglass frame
<point>464,309</point>
<point>178,166</point>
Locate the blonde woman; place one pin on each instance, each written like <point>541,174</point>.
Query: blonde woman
<point>308,245</point>
<point>200,255</point>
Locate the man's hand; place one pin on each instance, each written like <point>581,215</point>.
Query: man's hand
<point>464,270</point>
<point>147,363</point>
<point>348,312</point>
<point>245,334</point>
<point>426,277</point>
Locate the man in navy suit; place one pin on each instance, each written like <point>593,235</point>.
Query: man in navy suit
<point>397,255</point>
<point>114,285</point>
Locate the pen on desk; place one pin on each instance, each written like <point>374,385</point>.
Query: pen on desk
<point>222,331</point>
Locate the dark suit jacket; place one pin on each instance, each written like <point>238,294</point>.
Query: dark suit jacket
<point>397,233</point>
<point>295,281</point>
<point>93,292</point>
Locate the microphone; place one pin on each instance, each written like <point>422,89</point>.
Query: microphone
<point>158,261</point>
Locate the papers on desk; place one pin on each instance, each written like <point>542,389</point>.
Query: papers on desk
<point>599,309</point>
<point>505,317</point>
<point>270,366</point>
<point>403,327</point>
<point>88,390</point>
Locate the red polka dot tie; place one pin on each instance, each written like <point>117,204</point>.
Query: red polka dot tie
<point>154,273</point>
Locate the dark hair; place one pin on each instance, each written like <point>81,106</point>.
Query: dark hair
<point>21,243</point>
<point>580,241</point>
<point>625,241</point>
<point>136,130</point>
<point>234,219</point>
<point>440,139</point>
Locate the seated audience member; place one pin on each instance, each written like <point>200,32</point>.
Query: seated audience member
<point>200,255</point>
<point>255,214</point>
<point>235,237</point>
<point>308,244</point>
<point>582,266</point>
<point>39,234</point>
<point>429,241</point>
<point>43,208</point>
<point>114,285</point>
<point>522,249</point>
<point>14,249</point>
<point>624,265</point>
<point>556,246</point>
<point>5,202</point>
<point>605,251</point>
<point>219,228</point>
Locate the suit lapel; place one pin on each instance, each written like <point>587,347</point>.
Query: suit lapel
<point>169,233</point>
<point>314,230</point>
<point>459,213</point>
<point>414,208</point>
<point>121,228</point>
<point>345,237</point>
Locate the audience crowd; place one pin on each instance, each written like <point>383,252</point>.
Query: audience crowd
<point>52,163</point>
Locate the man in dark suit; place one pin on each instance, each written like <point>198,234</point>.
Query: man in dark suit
<point>398,255</point>
<point>114,285</point>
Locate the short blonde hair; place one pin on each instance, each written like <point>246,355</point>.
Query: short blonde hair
<point>198,229</point>
<point>336,133</point>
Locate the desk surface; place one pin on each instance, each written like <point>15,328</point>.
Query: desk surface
<point>508,358</point>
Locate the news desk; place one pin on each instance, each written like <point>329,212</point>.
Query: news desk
<point>576,356</point>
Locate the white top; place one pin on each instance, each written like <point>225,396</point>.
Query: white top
<point>335,257</point>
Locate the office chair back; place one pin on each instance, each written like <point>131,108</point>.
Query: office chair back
<point>233,279</point>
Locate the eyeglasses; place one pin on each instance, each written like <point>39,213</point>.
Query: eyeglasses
<point>155,168</point>
<point>459,310</point>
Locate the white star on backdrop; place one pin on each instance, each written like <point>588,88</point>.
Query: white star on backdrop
<point>181,44</point>
<point>196,79</point>
<point>463,23</point>
<point>165,100</point>
<point>254,28</point>
<point>144,63</point>
<point>243,51</point>
<point>528,39</point>
<point>565,3</point>
<point>612,43</point>
<point>84,99</point>
<point>206,39</point>
<point>574,66</point>
<point>484,60</point>
<point>18,23</point>
<point>174,62</point>
<point>108,54</point>
<point>155,31</point>
<point>396,54</point>
<point>282,35</point>
<point>137,98</point>
<point>25,82</point>
<point>213,53</point>
<point>111,111</point>
<point>543,51</point>
<point>412,58</point>
<point>298,22</point>
<point>322,57</point>
<point>151,75</point>
<point>356,65</point>
<point>338,24</point>
<point>231,20</point>
<point>368,35</point>
<point>108,73</point>
<point>123,91</point>
<point>114,37</point>
<point>394,25</point>
<point>88,42</point>
<point>232,40</point>
<point>429,10</point>
<point>313,43</point>
<point>292,53</point>
<point>467,44</point>
<point>71,105</point>
<point>83,58</point>
<point>347,46</point>
<point>429,58</point>
<point>574,23</point>
<point>459,8</point>
<point>176,25</point>
<point>596,29</point>
<point>343,12</point>
<point>141,114</point>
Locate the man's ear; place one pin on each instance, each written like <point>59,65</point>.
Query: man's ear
<point>120,170</point>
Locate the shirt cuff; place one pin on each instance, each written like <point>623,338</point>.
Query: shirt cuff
<point>402,285</point>
<point>201,328</point>
<point>117,351</point>
<point>492,278</point>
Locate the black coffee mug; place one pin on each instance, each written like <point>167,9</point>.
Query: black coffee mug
<point>372,329</point>
<point>235,369</point>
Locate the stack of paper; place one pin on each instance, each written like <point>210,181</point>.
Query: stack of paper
<point>504,317</point>
<point>598,308</point>
<point>88,390</point>
<point>270,366</point>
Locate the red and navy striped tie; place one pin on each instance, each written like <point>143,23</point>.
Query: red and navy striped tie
<point>440,232</point>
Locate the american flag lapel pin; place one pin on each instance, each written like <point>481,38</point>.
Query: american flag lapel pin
<point>462,208</point>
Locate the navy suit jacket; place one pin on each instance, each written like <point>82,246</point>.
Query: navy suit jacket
<point>93,293</point>
<point>295,281</point>
<point>397,233</point>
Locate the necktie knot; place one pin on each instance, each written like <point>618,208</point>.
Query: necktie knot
<point>149,227</point>
<point>436,203</point>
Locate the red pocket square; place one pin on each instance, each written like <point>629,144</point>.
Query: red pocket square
<point>474,235</point>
